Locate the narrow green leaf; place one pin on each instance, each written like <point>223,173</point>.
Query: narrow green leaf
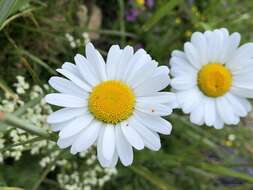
<point>37,60</point>
<point>160,13</point>
<point>15,16</point>
<point>10,188</point>
<point>3,127</point>
<point>29,104</point>
<point>153,179</point>
<point>220,170</point>
<point>14,121</point>
<point>6,89</point>
<point>5,9</point>
<point>11,146</point>
<point>33,74</point>
<point>8,7</point>
<point>122,21</point>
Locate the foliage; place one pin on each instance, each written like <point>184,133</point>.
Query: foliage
<point>37,36</point>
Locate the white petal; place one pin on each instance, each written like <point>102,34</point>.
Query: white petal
<point>154,123</point>
<point>112,61</point>
<point>87,137</point>
<point>151,140</point>
<point>225,111</point>
<point>245,103</point>
<point>153,108</point>
<point>70,67</point>
<point>108,143</point>
<point>125,57</point>
<point>161,70</point>
<point>182,67</point>
<point>210,111</point>
<point>198,115</point>
<point>142,74</point>
<point>75,79</point>
<point>66,86</point>
<point>192,55</point>
<point>243,67</point>
<point>237,105</point>
<point>114,160</point>
<point>199,42</point>
<point>96,61</point>
<point>132,136</point>
<point>64,143</point>
<point>65,114</point>
<point>242,91</point>
<point>243,52</point>
<point>136,61</point>
<point>188,100</point>
<point>218,124</point>
<point>59,126</point>
<point>76,126</point>
<point>233,43</point>
<point>179,54</point>
<point>159,97</point>
<point>101,159</point>
<point>65,100</point>
<point>123,148</point>
<point>87,74</point>
<point>184,82</point>
<point>215,45</point>
<point>153,84</point>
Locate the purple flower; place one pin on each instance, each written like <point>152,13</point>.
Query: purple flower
<point>132,14</point>
<point>150,3</point>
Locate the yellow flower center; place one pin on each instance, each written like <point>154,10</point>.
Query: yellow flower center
<point>111,101</point>
<point>214,79</point>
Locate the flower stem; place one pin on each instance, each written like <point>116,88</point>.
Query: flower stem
<point>22,124</point>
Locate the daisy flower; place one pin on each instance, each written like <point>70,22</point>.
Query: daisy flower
<point>116,105</point>
<point>213,77</point>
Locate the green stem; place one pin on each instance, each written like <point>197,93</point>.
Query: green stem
<point>21,124</point>
<point>8,21</point>
<point>122,21</point>
<point>35,139</point>
<point>45,173</point>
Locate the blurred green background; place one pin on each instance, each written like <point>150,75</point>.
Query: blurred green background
<point>37,36</point>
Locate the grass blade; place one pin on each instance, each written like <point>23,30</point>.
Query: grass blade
<point>153,179</point>
<point>5,9</point>
<point>37,60</point>
<point>160,13</point>
<point>8,7</point>
<point>220,170</point>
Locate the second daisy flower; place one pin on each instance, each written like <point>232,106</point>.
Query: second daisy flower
<point>213,77</point>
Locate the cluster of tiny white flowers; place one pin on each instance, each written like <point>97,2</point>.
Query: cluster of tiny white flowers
<point>77,42</point>
<point>93,177</point>
<point>21,85</point>
<point>70,176</point>
<point>86,37</point>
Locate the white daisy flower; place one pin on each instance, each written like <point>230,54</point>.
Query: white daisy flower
<point>116,105</point>
<point>213,77</point>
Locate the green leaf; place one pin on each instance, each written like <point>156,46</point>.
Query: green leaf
<point>14,121</point>
<point>3,127</point>
<point>27,105</point>
<point>153,179</point>
<point>6,89</point>
<point>10,188</point>
<point>220,170</point>
<point>160,13</point>
<point>8,7</point>
<point>37,60</point>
